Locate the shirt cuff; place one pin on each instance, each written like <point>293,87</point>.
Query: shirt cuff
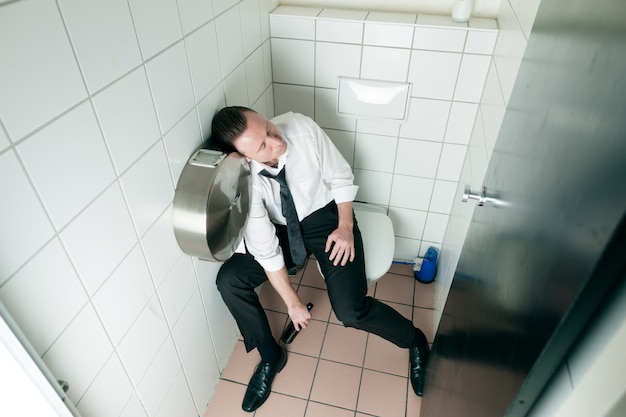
<point>345,194</point>
<point>274,263</point>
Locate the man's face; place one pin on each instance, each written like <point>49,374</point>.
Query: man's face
<point>261,141</point>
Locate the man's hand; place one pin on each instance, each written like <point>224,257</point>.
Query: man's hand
<point>341,240</point>
<point>299,315</point>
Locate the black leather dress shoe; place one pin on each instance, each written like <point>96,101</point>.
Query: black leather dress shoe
<point>418,358</point>
<point>261,382</point>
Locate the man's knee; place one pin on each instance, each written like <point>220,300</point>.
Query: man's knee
<point>352,315</point>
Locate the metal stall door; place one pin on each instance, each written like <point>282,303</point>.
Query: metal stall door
<point>553,199</point>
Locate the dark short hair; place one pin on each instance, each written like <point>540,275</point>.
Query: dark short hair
<point>227,125</point>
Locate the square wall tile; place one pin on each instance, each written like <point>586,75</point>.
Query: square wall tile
<point>452,157</point>
<point>124,294</point>
<point>160,247</point>
<point>387,64</point>
<point>204,60</point>
<point>105,228</point>
<point>177,289</point>
<point>383,34</point>
<point>378,127</point>
<point>417,158</point>
<point>481,42</point>
<point>461,122</point>
<point>148,203</point>
<point>128,118</point>
<point>104,54</point>
<point>375,152</point>
<point>140,345</point>
<point>439,39</point>
<point>220,6</point>
<point>444,193</point>
<point>472,76</point>
<point>411,192</point>
<point>24,223</point>
<point>293,61</point>
<point>157,24</point>
<point>229,39</point>
<point>236,88</point>
<point>80,352</point>
<point>392,17</point>
<point>292,27</point>
<point>181,142</point>
<point>50,157</point>
<point>28,102</point>
<point>295,98</point>
<point>255,75</point>
<point>4,140</point>
<point>433,74</point>
<point>374,187</point>
<point>43,314</point>
<point>194,13</point>
<point>435,227</point>
<point>406,249</point>
<point>333,60</point>
<point>332,26</point>
<point>326,111</point>
<point>250,25</point>
<point>111,379</point>
<point>171,86</point>
<point>408,223</point>
<point>427,119</point>
<point>159,376</point>
<point>344,141</point>
<point>178,400</point>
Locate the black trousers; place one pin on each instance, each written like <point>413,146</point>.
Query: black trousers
<point>347,287</point>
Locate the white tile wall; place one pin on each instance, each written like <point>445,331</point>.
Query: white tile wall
<point>395,164</point>
<point>102,105</point>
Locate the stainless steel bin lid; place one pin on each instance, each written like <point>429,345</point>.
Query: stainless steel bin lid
<point>211,204</point>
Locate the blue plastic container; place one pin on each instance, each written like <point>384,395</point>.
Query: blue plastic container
<point>426,274</point>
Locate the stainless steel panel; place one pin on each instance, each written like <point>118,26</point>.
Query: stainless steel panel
<point>211,205</point>
<point>532,262</point>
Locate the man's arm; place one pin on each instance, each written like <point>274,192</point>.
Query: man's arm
<point>341,240</point>
<point>298,313</point>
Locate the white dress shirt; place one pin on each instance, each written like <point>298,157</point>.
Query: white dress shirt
<point>316,174</point>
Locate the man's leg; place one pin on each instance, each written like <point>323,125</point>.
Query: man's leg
<point>236,281</point>
<point>347,290</point>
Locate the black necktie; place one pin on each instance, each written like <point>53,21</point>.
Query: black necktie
<point>294,232</point>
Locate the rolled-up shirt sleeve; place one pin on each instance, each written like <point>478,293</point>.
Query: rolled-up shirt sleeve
<point>260,234</point>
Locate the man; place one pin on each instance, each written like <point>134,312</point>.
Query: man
<point>321,185</point>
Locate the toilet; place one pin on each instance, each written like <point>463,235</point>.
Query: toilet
<point>378,239</point>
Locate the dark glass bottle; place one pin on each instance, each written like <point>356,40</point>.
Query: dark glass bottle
<point>290,331</point>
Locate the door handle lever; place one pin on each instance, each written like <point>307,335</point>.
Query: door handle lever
<point>468,194</point>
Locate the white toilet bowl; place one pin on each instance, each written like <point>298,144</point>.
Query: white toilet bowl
<point>378,240</point>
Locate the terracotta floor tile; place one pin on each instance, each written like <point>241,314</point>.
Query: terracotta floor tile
<point>382,395</point>
<point>241,364</point>
<point>413,402</point>
<point>424,319</point>
<point>345,345</point>
<point>382,355</point>
<point>270,300</point>
<point>396,288</point>
<point>311,276</point>
<point>309,341</point>
<point>323,410</point>
<point>278,405</point>
<point>336,384</point>
<point>296,378</point>
<point>424,295</point>
<point>226,400</point>
<point>401,269</point>
<point>319,298</point>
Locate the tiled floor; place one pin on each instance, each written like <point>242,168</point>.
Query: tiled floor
<point>333,371</point>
